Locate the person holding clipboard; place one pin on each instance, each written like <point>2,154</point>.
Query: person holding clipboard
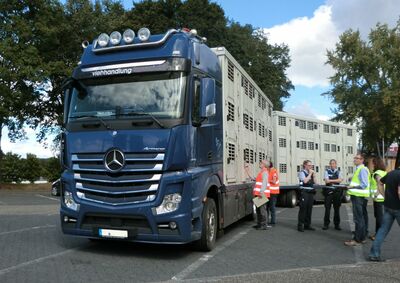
<point>261,193</point>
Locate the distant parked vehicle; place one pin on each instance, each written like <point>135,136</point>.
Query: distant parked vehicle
<point>55,188</point>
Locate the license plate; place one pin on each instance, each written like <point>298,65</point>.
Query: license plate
<point>109,233</point>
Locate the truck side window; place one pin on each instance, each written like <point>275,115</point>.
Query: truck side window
<point>196,102</point>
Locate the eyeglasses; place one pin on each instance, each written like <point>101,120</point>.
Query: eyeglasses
<point>357,157</point>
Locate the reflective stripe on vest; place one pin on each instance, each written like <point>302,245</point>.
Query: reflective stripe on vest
<point>258,184</point>
<point>274,186</point>
<point>355,182</point>
<point>374,186</point>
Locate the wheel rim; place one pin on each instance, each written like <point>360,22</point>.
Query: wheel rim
<point>211,226</point>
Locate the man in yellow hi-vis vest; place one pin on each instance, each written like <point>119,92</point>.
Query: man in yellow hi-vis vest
<point>359,192</point>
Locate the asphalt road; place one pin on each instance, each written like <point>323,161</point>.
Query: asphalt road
<point>33,249</point>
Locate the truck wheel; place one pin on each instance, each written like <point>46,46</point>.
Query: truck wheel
<point>291,198</point>
<point>210,227</point>
<point>252,216</point>
<point>346,198</point>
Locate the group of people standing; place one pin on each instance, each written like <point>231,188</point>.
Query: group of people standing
<point>368,182</point>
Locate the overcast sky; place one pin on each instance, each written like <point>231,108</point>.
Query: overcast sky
<point>308,27</point>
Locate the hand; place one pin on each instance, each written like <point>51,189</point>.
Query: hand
<point>260,196</point>
<point>312,172</point>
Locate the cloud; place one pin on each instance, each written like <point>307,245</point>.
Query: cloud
<point>305,109</point>
<point>26,146</point>
<point>310,38</point>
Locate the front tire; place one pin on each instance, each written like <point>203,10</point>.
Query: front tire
<point>291,198</point>
<point>209,226</point>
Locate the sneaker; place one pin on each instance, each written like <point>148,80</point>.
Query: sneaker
<point>337,227</point>
<point>269,226</point>
<point>351,243</point>
<point>300,228</point>
<point>325,227</point>
<point>375,259</point>
<point>261,228</point>
<point>310,228</point>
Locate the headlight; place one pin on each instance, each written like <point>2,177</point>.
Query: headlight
<point>103,39</point>
<point>144,34</point>
<point>115,38</point>
<point>169,204</point>
<point>128,36</point>
<point>69,201</point>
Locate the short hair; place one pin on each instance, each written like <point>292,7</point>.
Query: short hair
<point>362,155</point>
<point>332,160</point>
<point>271,164</point>
<point>305,162</point>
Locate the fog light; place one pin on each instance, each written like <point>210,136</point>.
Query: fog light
<point>103,39</point>
<point>128,36</point>
<point>172,225</point>
<point>65,218</point>
<point>144,34</point>
<point>115,38</point>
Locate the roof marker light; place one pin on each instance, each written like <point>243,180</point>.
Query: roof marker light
<point>103,39</point>
<point>128,36</point>
<point>115,38</point>
<point>144,34</point>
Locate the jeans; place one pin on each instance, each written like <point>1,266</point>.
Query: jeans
<point>262,215</point>
<point>378,213</point>
<point>388,218</point>
<point>359,209</point>
<point>332,197</point>
<point>271,208</point>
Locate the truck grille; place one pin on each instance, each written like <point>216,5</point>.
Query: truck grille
<point>137,181</point>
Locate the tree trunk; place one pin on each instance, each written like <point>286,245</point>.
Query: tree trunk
<point>1,152</point>
<point>397,164</point>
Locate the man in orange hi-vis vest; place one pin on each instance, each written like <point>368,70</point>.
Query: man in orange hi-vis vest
<point>273,180</point>
<point>262,187</point>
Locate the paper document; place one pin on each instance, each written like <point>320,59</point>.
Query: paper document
<point>260,201</point>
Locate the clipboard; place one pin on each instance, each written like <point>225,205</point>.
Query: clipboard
<point>260,201</point>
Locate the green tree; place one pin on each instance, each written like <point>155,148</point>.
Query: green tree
<point>51,169</point>
<point>366,83</point>
<point>32,169</point>
<point>11,168</point>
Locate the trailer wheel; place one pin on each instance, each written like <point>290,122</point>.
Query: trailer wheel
<point>346,198</point>
<point>291,198</point>
<point>210,227</point>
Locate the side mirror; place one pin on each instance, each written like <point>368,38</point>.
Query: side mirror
<point>208,108</point>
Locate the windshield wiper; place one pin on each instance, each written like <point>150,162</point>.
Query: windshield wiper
<point>94,116</point>
<point>133,113</point>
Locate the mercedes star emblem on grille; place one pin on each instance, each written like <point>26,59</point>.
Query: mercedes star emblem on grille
<point>114,160</point>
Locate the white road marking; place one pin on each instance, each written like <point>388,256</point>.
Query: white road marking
<point>202,260</point>
<point>27,229</point>
<point>37,260</point>
<point>358,250</point>
<point>42,196</point>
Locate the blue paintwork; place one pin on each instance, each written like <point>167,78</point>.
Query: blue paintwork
<point>186,167</point>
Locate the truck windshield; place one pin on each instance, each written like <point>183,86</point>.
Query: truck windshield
<point>156,95</point>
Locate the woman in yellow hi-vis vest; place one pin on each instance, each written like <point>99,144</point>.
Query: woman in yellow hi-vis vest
<point>378,170</point>
<point>359,192</point>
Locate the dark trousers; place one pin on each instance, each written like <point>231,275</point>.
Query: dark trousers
<point>365,213</point>
<point>305,211</point>
<point>378,213</point>
<point>271,208</point>
<point>360,232</point>
<point>262,215</point>
<point>332,197</point>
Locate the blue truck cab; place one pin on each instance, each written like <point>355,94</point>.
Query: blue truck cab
<point>142,145</point>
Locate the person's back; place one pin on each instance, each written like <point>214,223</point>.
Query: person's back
<point>392,211</point>
<point>392,184</point>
